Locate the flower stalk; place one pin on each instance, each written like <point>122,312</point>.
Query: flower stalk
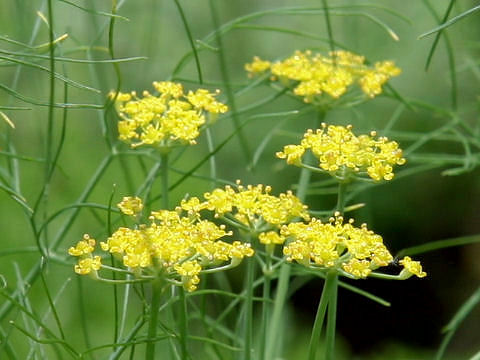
<point>157,289</point>
<point>329,288</point>
<point>248,310</point>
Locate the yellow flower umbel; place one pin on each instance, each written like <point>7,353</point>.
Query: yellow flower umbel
<point>251,208</point>
<point>342,153</point>
<point>168,118</point>
<point>354,251</point>
<point>175,247</point>
<point>311,75</point>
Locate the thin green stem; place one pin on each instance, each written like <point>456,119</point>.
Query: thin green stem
<point>266,306</point>
<point>342,191</point>
<point>450,52</point>
<point>213,165</point>
<point>331,295</point>
<point>443,346</point>
<point>284,277</point>
<point>183,323</point>
<point>190,40</point>
<point>248,309</point>
<point>153,320</point>
<point>49,140</point>
<point>164,175</point>
<point>303,183</point>
<point>227,83</point>
<point>280,298</point>
<point>329,25</point>
<point>109,102</point>
<point>114,275</point>
<point>331,318</point>
<point>456,321</point>
<point>32,276</point>
<point>83,313</point>
<point>328,287</point>
<point>52,305</point>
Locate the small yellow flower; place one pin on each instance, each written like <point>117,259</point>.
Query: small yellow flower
<point>83,247</point>
<point>203,100</point>
<point>192,205</point>
<point>257,66</point>
<point>239,250</point>
<point>130,205</point>
<point>87,265</point>
<point>411,268</point>
<point>271,237</point>
<point>293,154</point>
<point>189,271</point>
<point>168,88</point>
<point>358,268</point>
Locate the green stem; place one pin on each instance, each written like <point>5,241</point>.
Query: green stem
<point>331,318</point>
<point>342,191</point>
<point>49,141</point>
<point>329,287</point>
<point>329,26</point>
<point>332,292</point>
<point>284,276</point>
<point>266,304</point>
<point>152,325</point>
<point>164,175</point>
<point>303,183</point>
<point>247,354</point>
<point>280,298</point>
<point>227,83</point>
<point>183,302</point>
<point>213,165</point>
<point>190,40</point>
<point>183,323</point>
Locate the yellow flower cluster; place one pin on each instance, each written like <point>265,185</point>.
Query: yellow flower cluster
<point>86,262</point>
<point>253,203</point>
<point>340,152</point>
<point>411,267</point>
<point>176,246</point>
<point>352,250</point>
<point>315,74</point>
<point>252,206</point>
<point>164,119</point>
<point>130,205</point>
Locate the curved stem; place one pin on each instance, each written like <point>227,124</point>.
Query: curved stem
<point>190,40</point>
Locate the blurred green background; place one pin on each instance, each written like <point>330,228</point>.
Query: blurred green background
<point>419,206</point>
